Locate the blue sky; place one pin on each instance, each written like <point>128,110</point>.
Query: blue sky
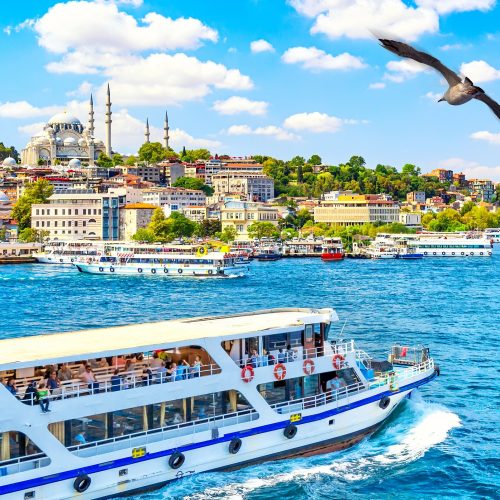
<point>316,81</point>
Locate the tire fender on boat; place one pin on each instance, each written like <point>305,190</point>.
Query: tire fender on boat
<point>176,460</point>
<point>384,402</point>
<point>437,370</point>
<point>290,431</point>
<point>235,445</point>
<point>82,483</point>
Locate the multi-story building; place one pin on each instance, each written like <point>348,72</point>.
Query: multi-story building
<point>442,174</point>
<point>236,165</point>
<point>176,198</point>
<point>411,219</point>
<point>241,214</point>
<point>133,217</point>
<point>460,180</point>
<point>255,187</point>
<point>79,215</point>
<point>415,197</point>
<point>482,188</point>
<point>150,173</point>
<point>354,209</point>
<point>196,213</point>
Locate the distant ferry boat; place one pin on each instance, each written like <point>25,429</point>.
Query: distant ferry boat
<point>492,234</point>
<point>171,262</point>
<point>267,252</point>
<point>134,407</point>
<point>332,249</point>
<point>65,252</point>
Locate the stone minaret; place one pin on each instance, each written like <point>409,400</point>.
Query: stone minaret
<point>146,132</point>
<point>166,129</point>
<point>109,151</point>
<point>91,117</point>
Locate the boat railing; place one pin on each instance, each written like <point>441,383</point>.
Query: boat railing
<point>23,464</point>
<point>395,377</point>
<point>296,354</point>
<point>143,438</point>
<point>124,381</point>
<point>415,369</point>
<point>332,396</point>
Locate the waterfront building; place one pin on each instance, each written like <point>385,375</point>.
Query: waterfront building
<point>241,214</point>
<point>79,215</point>
<point>415,197</point>
<point>133,217</point>
<point>354,209</point>
<point>176,198</point>
<point>255,187</point>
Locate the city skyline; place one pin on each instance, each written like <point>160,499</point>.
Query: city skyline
<point>296,77</point>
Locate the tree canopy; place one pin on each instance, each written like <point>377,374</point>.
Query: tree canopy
<point>193,183</point>
<point>5,152</point>
<point>152,152</point>
<point>262,230</point>
<point>37,192</point>
<point>104,161</point>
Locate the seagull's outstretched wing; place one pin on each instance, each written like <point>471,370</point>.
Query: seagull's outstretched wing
<point>495,107</point>
<point>404,50</point>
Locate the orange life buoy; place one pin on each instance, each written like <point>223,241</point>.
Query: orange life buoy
<point>279,371</point>
<point>247,373</point>
<point>337,361</point>
<point>308,366</point>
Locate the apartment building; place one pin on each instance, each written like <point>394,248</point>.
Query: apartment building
<point>482,188</point>
<point>355,209</point>
<point>255,187</point>
<point>133,217</point>
<point>79,215</point>
<point>176,198</point>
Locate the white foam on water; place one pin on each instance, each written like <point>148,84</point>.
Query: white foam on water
<point>420,427</point>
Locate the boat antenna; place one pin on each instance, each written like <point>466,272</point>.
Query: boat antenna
<point>342,330</point>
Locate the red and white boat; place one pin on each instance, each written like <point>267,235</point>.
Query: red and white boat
<point>332,249</point>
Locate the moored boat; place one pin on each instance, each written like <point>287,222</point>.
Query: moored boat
<point>332,249</point>
<point>238,389</point>
<point>66,252</point>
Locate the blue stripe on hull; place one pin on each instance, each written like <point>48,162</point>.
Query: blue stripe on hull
<point>123,462</point>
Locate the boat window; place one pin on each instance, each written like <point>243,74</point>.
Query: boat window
<point>19,453</point>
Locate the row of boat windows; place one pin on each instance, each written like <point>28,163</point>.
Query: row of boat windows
<point>146,260</point>
<point>423,245</point>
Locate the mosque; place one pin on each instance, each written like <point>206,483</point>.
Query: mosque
<point>66,142</point>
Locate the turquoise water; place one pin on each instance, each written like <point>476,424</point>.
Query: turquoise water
<point>444,442</point>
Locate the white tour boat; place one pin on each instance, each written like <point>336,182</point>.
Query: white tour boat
<point>174,262</point>
<point>492,234</point>
<point>135,407</point>
<point>66,252</point>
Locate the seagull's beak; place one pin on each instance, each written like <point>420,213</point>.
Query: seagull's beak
<point>442,99</point>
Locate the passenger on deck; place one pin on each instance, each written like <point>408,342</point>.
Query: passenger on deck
<point>264,359</point>
<point>89,378</point>
<point>177,418</point>
<point>103,363</point>
<point>65,374</point>
<point>80,438</point>
<point>171,372</point>
<point>281,356</point>
<point>147,376</point>
<point>161,373</point>
<point>254,358</point>
<point>290,354</point>
<point>182,370</point>
<point>81,368</point>
<point>116,381</point>
<point>335,383</point>
<point>156,362</point>
<point>31,394</point>
<point>129,366</point>
<point>43,397</point>
<point>196,368</point>
<point>11,386</point>
<point>53,383</point>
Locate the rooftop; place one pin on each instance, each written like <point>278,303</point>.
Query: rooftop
<point>88,344</point>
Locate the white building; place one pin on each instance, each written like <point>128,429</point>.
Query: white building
<point>411,219</point>
<point>176,198</point>
<point>255,187</point>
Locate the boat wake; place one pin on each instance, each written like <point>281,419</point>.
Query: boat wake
<point>418,427</point>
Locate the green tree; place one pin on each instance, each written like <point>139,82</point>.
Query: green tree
<point>300,176</point>
<point>208,227</point>
<point>324,183</point>
<point>5,152</point>
<point>3,234</point>
<point>228,234</point>
<point>30,235</point>
<point>117,159</point>
<point>152,152</point>
<point>37,192</point>
<point>104,161</point>
<point>193,183</point>
<point>262,230</point>
<point>180,226</point>
<point>144,234</point>
<point>467,207</point>
<point>314,160</point>
<point>131,160</point>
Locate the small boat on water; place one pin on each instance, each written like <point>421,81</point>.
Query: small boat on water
<point>492,234</point>
<point>66,252</point>
<point>142,405</point>
<point>267,252</point>
<point>332,249</point>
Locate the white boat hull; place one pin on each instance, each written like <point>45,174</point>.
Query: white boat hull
<point>445,252</point>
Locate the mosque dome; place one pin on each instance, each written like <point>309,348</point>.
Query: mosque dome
<point>75,163</point>
<point>9,162</point>
<point>59,140</point>
<point>69,141</point>
<point>64,119</point>
<point>82,142</point>
<point>3,197</point>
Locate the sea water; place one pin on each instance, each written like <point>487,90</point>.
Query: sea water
<point>444,442</point>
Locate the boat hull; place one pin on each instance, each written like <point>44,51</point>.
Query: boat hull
<point>331,256</point>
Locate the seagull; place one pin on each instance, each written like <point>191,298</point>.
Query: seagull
<point>459,92</point>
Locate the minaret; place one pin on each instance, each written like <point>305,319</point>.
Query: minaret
<point>165,129</point>
<point>146,133</point>
<point>91,117</point>
<point>109,151</point>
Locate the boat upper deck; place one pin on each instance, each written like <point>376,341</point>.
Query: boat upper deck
<point>28,351</point>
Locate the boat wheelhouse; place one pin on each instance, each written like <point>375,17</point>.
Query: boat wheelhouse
<point>137,406</point>
<point>267,251</point>
<point>332,249</point>
<point>302,247</point>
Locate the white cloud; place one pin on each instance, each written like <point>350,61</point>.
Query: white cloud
<point>102,27</point>
<point>170,79</point>
<point>258,46</point>
<point>452,46</point>
<point>269,130</point>
<point>480,71</point>
<point>483,135</point>
<point>447,6</point>
<point>23,109</point>
<point>180,138</point>
<point>32,129</point>
<point>235,104</point>
<point>83,89</point>
<point>355,18</point>
<point>433,96</point>
<point>377,85</point>
<point>403,69</point>
<point>313,122</point>
<point>134,3</point>
<point>472,169</point>
<point>317,59</point>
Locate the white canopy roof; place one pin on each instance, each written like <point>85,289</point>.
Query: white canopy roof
<point>88,344</point>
